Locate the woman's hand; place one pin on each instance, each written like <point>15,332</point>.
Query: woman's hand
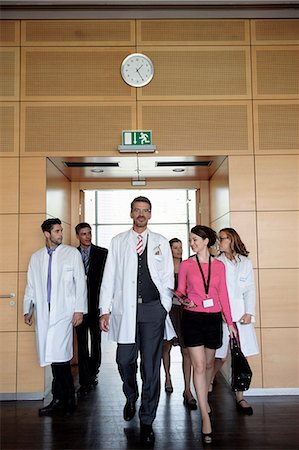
<point>232,332</point>
<point>245,319</point>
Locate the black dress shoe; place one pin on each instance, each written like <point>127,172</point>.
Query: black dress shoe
<point>70,406</point>
<point>147,435</point>
<point>83,390</point>
<point>94,383</point>
<point>54,406</point>
<point>129,410</point>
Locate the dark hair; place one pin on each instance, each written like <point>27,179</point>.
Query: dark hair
<point>141,199</point>
<point>48,224</point>
<point>205,232</point>
<point>174,241</point>
<point>82,225</point>
<point>236,244</point>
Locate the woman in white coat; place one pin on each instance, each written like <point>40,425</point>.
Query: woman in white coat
<point>242,297</point>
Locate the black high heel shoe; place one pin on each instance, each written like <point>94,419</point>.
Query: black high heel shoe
<point>206,438</point>
<point>189,402</point>
<point>244,409</point>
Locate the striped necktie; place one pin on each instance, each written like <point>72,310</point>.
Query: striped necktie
<point>85,258</point>
<point>139,246</point>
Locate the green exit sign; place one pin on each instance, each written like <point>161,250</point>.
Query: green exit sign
<point>136,137</point>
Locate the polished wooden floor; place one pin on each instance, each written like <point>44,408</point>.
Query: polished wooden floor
<point>98,422</point>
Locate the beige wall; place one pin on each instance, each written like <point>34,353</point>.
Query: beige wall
<point>61,94</point>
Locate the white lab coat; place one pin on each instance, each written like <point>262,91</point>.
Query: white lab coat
<point>242,298</point>
<point>54,329</point>
<point>119,286</point>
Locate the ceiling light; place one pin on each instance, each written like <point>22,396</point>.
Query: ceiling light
<point>138,182</point>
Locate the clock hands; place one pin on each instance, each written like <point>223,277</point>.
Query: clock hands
<point>137,70</point>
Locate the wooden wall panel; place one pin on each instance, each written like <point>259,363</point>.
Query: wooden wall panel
<point>192,32</point>
<point>278,239</point>
<point>74,74</point>
<point>189,127</point>
<point>50,129</point>
<point>256,365</point>
<point>265,31</point>
<point>244,223</point>
<point>9,185</point>
<point>9,33</point>
<point>9,243</point>
<point>78,32</point>
<point>221,222</point>
<point>276,127</point>
<point>8,362</point>
<point>277,182</point>
<point>279,289</point>
<point>9,73</point>
<point>9,129</point>
<point>58,194</point>
<point>31,237</point>
<point>219,192</point>
<point>30,376</point>
<point>241,183</point>
<point>192,73</point>
<point>280,357</point>
<point>275,72</point>
<point>8,306</point>
<point>33,188</point>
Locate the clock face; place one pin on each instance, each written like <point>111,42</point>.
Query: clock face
<point>137,70</point>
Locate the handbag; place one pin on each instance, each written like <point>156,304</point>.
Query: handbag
<point>241,372</point>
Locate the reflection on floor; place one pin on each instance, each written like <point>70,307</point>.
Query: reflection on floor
<point>98,422</point>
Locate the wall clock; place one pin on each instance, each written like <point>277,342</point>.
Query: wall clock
<point>137,70</point>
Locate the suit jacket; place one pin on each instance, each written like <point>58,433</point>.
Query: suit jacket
<point>98,256</point>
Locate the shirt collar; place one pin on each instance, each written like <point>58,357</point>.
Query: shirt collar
<point>87,251</point>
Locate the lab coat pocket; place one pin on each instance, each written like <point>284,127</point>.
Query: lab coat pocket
<point>118,303</point>
<point>67,277</point>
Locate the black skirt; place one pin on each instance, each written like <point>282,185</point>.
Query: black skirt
<point>200,328</point>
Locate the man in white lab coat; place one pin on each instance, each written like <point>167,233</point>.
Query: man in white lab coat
<point>56,292</point>
<point>134,302</point>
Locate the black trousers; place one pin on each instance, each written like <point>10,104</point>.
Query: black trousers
<point>149,341</point>
<point>63,385</point>
<point>89,359</point>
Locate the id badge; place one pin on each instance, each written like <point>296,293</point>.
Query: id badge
<point>208,302</point>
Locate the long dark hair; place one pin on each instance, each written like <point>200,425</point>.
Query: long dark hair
<point>236,244</point>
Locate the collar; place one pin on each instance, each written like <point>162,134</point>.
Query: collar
<point>87,251</point>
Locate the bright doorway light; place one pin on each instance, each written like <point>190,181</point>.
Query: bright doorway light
<point>173,213</point>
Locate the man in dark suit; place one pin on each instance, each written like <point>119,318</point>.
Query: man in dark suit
<point>89,359</point>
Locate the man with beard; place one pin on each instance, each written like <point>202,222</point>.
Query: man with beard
<point>134,303</point>
<point>56,290</point>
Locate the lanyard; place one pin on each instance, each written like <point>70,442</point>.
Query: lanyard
<point>206,284</point>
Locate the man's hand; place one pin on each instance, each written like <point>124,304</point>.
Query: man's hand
<point>27,319</point>
<point>77,318</point>
<point>104,322</point>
